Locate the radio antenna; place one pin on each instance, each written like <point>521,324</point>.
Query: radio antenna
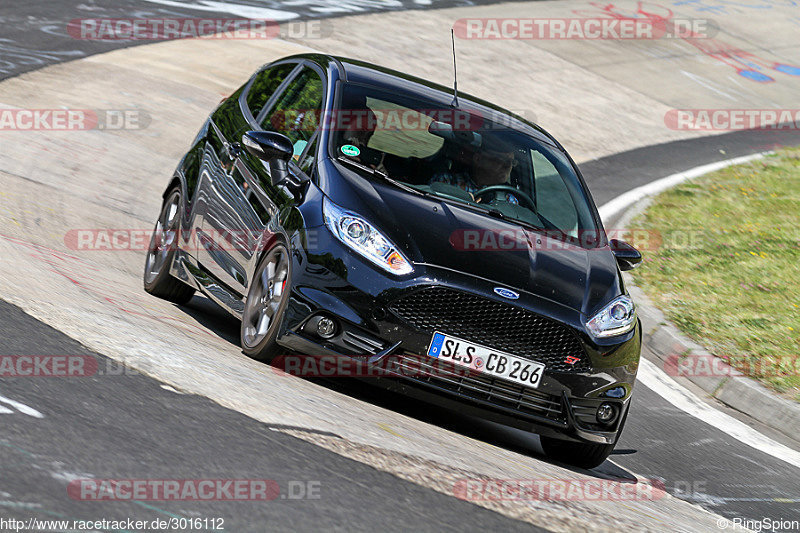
<point>455,72</point>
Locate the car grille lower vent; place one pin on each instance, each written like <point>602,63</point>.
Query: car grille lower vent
<point>482,387</point>
<point>493,324</point>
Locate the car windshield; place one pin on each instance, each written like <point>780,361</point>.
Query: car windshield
<point>459,156</point>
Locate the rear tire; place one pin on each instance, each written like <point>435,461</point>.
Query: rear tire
<point>266,304</point>
<point>581,454</point>
<point>161,252</point>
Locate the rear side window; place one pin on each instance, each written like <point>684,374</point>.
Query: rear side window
<point>265,84</point>
<point>297,111</point>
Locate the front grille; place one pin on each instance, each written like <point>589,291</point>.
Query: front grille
<point>494,324</point>
<point>480,386</point>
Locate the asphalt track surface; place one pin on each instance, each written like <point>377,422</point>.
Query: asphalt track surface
<point>130,426</point>
<point>34,33</point>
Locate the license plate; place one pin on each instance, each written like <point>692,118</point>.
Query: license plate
<point>486,360</point>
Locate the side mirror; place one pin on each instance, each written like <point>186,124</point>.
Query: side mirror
<point>627,256</point>
<point>274,149</point>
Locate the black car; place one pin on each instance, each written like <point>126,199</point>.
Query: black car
<point>343,209</point>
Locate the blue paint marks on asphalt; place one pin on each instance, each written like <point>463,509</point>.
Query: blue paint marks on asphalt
<point>755,75</point>
<point>788,69</point>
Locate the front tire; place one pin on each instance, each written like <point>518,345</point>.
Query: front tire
<point>266,304</point>
<point>161,252</point>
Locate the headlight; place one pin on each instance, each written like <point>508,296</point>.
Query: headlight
<point>363,238</point>
<point>616,318</point>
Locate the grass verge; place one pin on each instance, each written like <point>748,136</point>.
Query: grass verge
<point>722,260</point>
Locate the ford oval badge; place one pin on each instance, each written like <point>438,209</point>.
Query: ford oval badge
<point>506,293</point>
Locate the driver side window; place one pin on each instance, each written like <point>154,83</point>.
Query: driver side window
<point>553,200</point>
<point>297,111</point>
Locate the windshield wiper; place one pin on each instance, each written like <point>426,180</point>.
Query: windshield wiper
<point>547,227</point>
<point>491,211</point>
<point>382,175</point>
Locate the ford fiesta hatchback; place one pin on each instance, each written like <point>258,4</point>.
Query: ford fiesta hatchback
<point>341,209</point>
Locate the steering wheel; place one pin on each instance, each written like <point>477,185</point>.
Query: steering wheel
<point>509,189</point>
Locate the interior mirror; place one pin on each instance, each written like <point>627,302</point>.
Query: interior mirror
<point>446,132</point>
<point>627,256</point>
<point>273,148</point>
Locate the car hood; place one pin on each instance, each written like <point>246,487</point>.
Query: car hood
<point>429,231</point>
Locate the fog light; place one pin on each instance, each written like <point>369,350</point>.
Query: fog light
<point>326,328</point>
<point>606,413</point>
<point>322,326</point>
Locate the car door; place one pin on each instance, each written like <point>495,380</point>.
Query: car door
<point>229,207</point>
<point>247,198</point>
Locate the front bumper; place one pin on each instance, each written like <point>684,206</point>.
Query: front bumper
<point>339,285</point>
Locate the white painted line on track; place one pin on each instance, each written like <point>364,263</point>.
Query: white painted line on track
<point>659,382</point>
<point>655,378</point>
<point>623,201</point>
<point>21,407</point>
<point>239,10</point>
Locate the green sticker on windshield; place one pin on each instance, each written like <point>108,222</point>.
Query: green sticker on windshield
<point>349,149</point>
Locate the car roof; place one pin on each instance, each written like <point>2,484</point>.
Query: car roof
<point>362,72</point>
